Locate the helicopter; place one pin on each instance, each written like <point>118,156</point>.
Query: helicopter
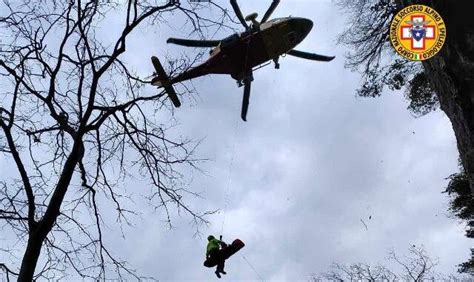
<point>241,53</point>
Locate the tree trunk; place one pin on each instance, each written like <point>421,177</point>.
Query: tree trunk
<point>452,74</point>
<point>38,234</point>
<point>30,258</point>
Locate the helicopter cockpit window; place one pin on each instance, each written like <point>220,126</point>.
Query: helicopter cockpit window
<point>270,23</point>
<point>277,20</point>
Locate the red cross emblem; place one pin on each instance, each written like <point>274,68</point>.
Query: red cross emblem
<point>428,30</point>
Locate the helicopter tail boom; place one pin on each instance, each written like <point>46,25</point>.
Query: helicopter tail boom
<point>163,80</point>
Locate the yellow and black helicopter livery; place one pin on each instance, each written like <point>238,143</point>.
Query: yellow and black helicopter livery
<point>240,53</point>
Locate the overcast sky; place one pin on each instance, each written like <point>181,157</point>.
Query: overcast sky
<point>310,163</point>
<point>298,177</point>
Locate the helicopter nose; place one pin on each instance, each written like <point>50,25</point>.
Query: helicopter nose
<point>301,27</point>
<point>305,26</point>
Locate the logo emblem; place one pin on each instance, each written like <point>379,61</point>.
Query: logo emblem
<point>417,32</point>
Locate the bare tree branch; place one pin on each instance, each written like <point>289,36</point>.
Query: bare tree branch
<point>76,121</point>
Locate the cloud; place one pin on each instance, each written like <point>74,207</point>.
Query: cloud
<point>295,181</point>
<point>312,161</point>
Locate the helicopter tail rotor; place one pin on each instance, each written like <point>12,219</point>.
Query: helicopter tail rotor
<point>163,80</point>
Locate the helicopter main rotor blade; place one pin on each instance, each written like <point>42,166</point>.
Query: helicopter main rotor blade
<point>246,99</point>
<point>238,13</point>
<point>193,43</point>
<point>270,10</point>
<point>310,56</point>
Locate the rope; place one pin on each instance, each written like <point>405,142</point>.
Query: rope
<point>229,177</point>
<point>229,182</point>
<point>253,268</point>
<point>226,195</point>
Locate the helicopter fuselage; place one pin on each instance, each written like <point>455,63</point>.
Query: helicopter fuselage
<point>239,53</point>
